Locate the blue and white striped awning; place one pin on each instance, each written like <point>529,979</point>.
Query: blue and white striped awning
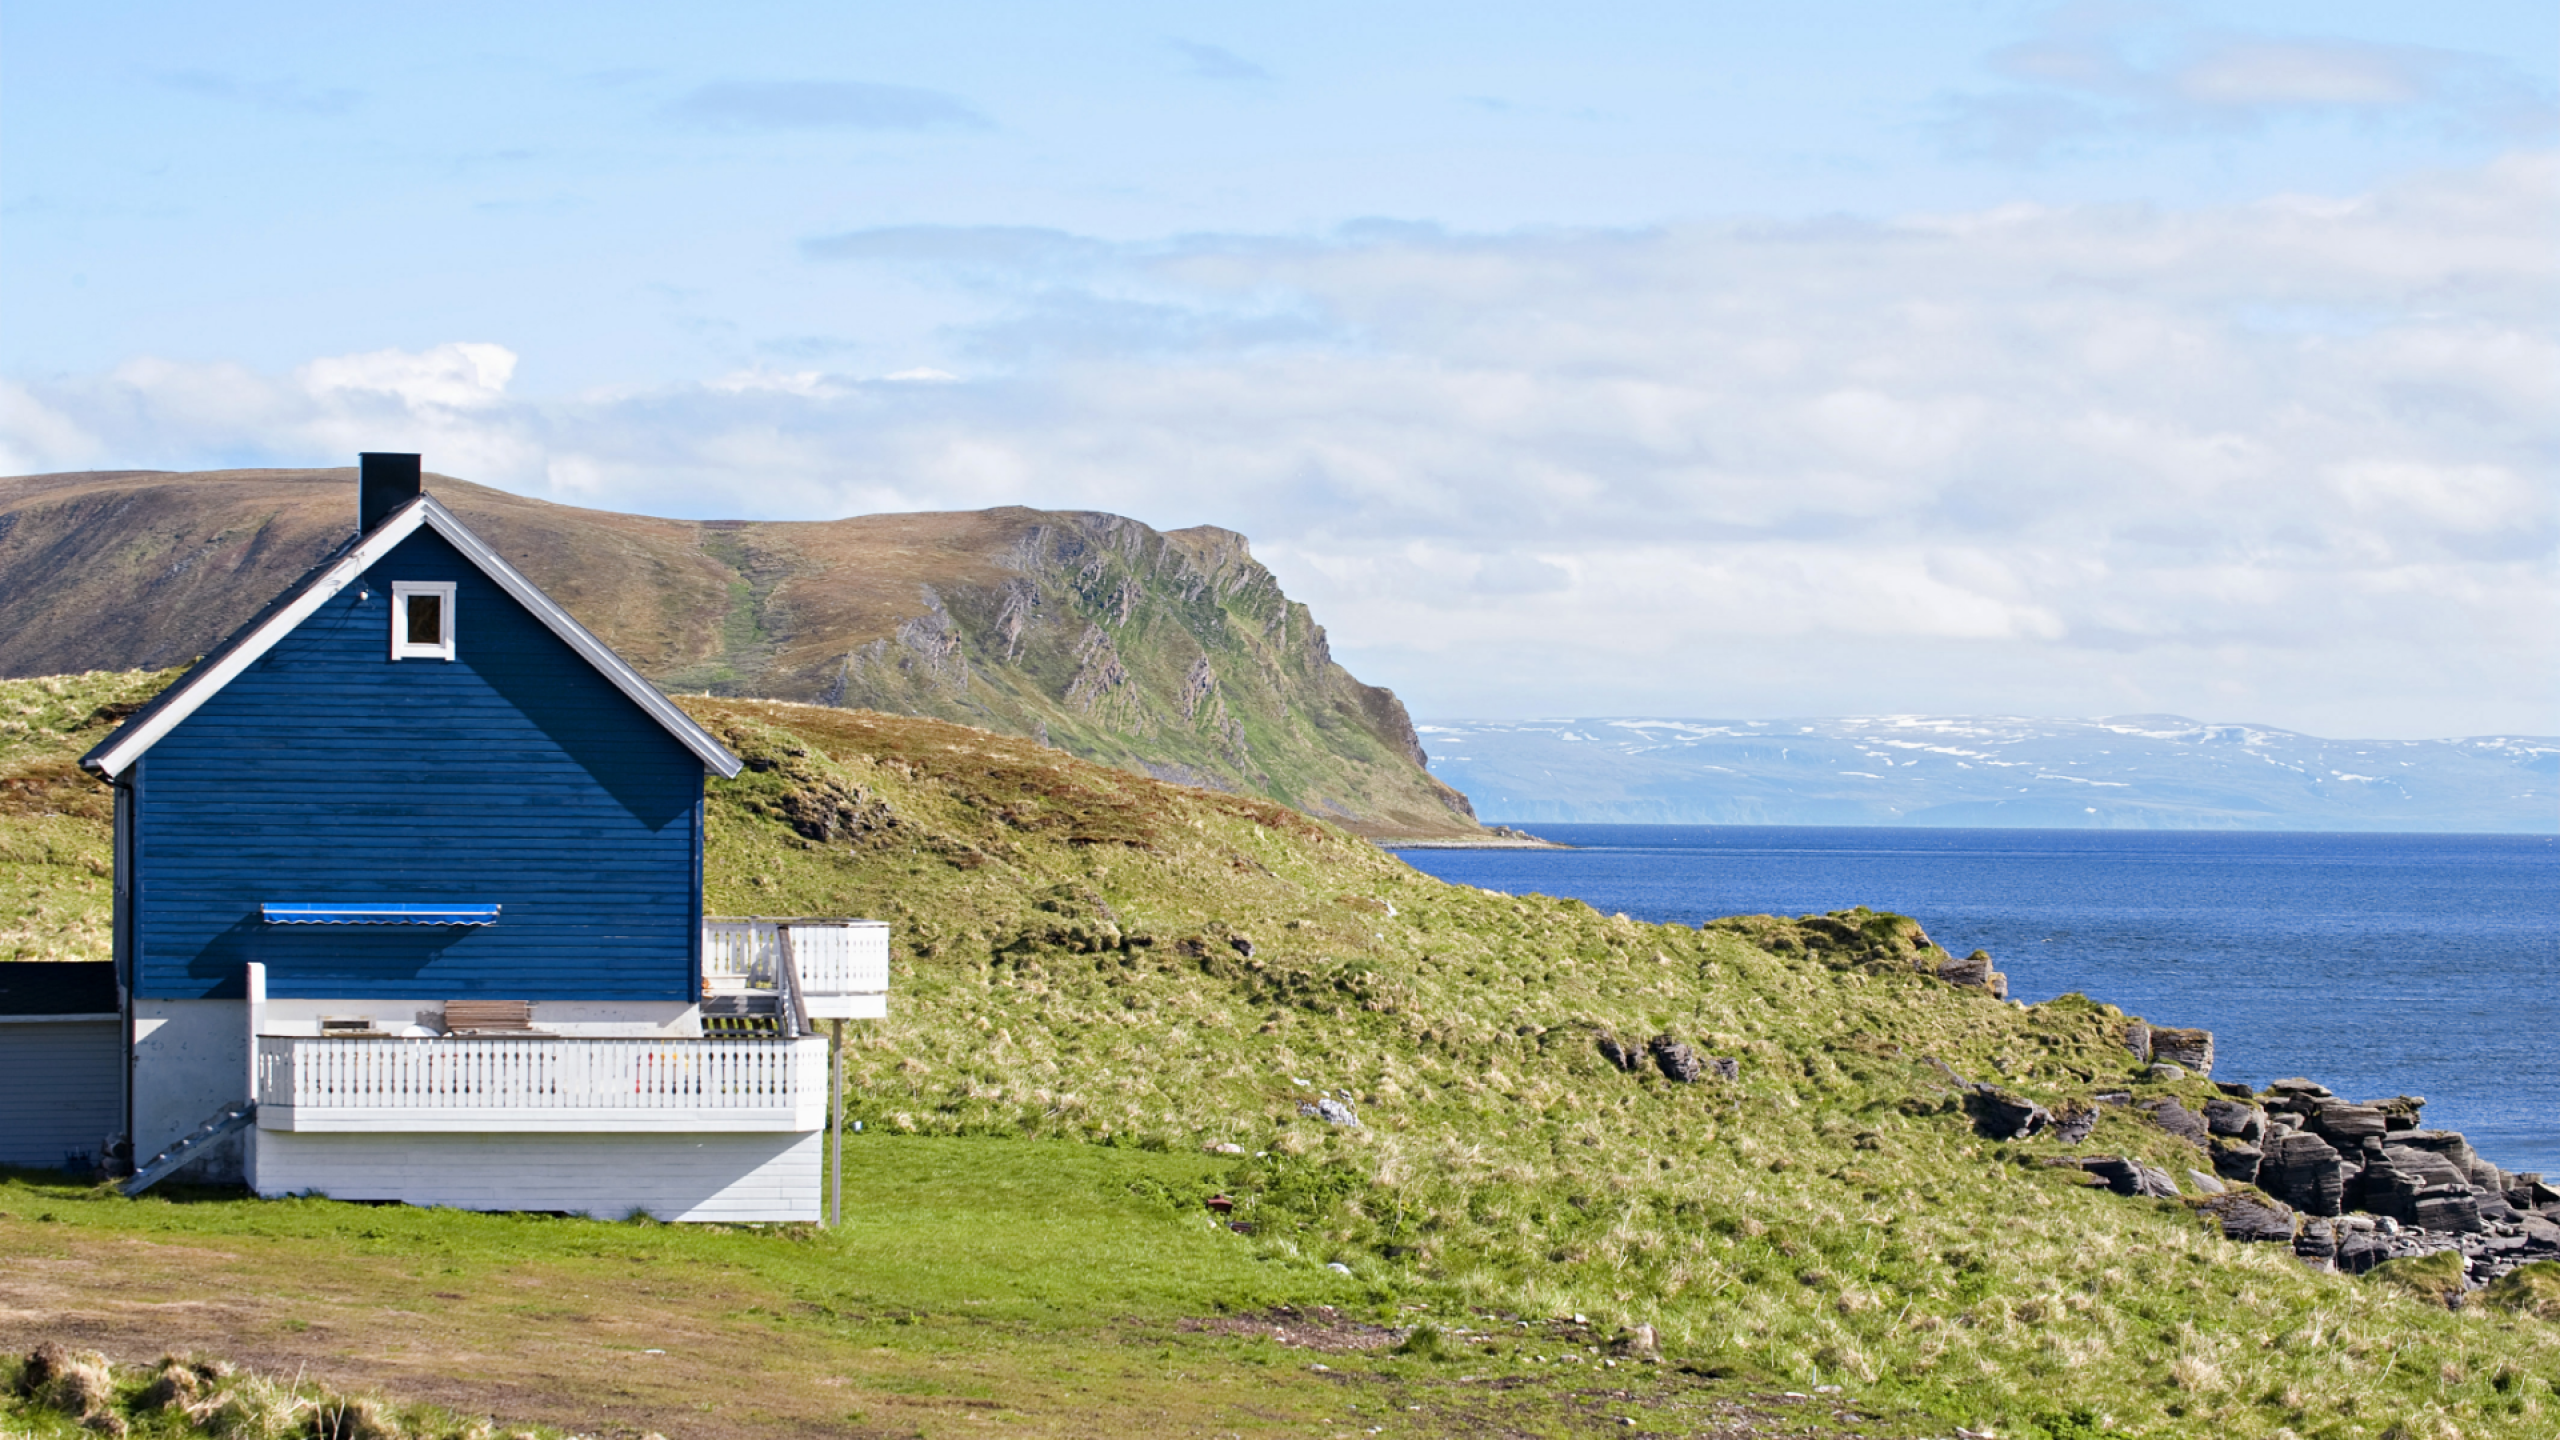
<point>315,912</point>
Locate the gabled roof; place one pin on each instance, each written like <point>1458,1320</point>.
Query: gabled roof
<point>290,609</point>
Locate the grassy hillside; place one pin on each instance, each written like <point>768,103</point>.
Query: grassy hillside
<point>56,866</point>
<point>1085,955</point>
<point>1171,653</point>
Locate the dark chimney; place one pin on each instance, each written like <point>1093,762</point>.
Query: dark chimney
<point>384,483</point>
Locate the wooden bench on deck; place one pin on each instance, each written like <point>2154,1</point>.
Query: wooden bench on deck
<point>489,1017</point>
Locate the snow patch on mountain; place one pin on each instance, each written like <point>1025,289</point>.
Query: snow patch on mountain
<point>2150,771</point>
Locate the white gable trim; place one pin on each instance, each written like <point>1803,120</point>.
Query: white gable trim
<point>204,683</point>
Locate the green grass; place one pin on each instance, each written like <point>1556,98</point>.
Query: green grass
<point>56,869</point>
<point>1039,1234</point>
<point>1073,1009</point>
<point>1057,1284</point>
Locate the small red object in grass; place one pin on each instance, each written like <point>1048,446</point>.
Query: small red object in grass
<point>1221,1204</point>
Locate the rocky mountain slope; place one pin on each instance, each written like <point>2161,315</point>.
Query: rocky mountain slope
<point>1773,1153</point>
<point>1168,652</point>
<point>2137,771</point>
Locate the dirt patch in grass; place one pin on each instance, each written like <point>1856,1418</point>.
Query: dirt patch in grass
<point>1319,1327</point>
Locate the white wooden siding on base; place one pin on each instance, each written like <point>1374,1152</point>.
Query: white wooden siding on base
<point>63,1083</point>
<point>731,1177</point>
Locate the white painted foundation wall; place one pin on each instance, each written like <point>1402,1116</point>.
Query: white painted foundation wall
<point>701,1177</point>
<point>190,1058</point>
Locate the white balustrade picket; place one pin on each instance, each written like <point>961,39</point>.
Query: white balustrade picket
<point>836,957</point>
<point>389,1075</point>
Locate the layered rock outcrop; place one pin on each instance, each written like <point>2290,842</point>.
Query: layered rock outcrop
<point>2347,1184</point>
<point>1170,653</point>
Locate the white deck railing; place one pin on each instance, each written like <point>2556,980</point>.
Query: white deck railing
<point>842,965</point>
<point>539,1083</point>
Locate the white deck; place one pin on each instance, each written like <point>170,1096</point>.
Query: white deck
<point>539,1084</point>
<point>841,966</point>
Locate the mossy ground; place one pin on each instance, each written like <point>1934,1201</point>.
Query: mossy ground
<point>1070,981</point>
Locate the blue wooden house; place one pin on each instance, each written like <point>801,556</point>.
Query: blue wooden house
<point>409,901</point>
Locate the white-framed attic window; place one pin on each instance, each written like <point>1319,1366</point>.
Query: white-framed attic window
<point>421,619</point>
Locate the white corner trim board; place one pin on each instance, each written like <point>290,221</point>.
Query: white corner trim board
<point>207,680</point>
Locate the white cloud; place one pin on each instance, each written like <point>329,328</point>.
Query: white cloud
<point>461,376</point>
<point>2283,461</point>
<point>2091,74</point>
<point>2264,72</point>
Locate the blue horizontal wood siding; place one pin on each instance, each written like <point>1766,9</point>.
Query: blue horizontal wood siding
<point>512,775</point>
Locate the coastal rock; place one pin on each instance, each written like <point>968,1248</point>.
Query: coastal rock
<point>2317,1243</point>
<point>2192,1049</point>
<point>2345,1125</point>
<point>2251,1219</point>
<point>2003,1116</point>
<point>2449,1208</point>
<point>2400,1112</point>
<point>2206,1184</point>
<point>2238,1121</point>
<point>2127,1176</point>
<point>2305,1172</point>
<point>1974,972</point>
<point>1677,1061</point>
<point>2392,1184</point>
<point>2237,1162</point>
<point>2297,1087</point>
<point>2163,1073</point>
<point>1331,1112</point>
<point>1725,1067</point>
<point>1618,1053</point>
<point>1973,969</point>
<point>2178,1120</point>
<point>2073,1120</point>
<point>2359,1250</point>
<point>2137,1038</point>
<point>2449,1145</point>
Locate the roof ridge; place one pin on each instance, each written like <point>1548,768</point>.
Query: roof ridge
<point>244,646</point>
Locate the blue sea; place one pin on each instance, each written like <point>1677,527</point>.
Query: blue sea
<point>2376,964</point>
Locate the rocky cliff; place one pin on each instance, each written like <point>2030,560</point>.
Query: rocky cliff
<point>1171,653</point>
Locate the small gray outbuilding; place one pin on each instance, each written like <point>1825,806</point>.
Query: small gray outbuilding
<point>61,1063</point>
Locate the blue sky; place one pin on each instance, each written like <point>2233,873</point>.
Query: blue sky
<point>1691,359</point>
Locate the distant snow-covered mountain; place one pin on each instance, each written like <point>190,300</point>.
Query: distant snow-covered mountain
<point>2149,771</point>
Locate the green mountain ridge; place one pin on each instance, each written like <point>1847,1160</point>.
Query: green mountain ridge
<point>1173,653</point>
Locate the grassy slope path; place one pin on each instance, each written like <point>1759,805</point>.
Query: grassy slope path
<point>1099,969</point>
